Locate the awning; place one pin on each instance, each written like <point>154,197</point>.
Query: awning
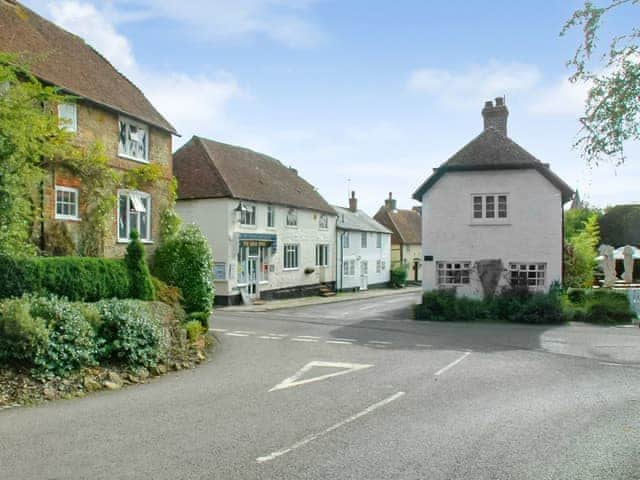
<point>267,238</point>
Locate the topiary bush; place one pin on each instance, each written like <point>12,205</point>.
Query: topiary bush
<point>185,261</point>
<point>140,284</point>
<point>131,334</point>
<point>76,278</point>
<point>398,276</point>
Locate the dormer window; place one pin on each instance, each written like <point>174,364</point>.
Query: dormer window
<point>133,140</point>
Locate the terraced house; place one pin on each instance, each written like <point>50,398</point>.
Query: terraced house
<point>109,110</point>
<point>271,232</point>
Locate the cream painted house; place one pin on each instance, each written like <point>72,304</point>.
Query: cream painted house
<point>271,233</point>
<point>363,250</point>
<point>492,216</point>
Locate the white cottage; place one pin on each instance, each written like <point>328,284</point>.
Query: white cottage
<point>492,216</point>
<point>363,249</point>
<point>271,233</point>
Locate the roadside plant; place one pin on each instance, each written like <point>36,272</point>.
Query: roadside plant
<point>140,284</point>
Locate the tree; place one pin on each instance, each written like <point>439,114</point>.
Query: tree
<point>620,226</point>
<point>580,254</point>
<point>575,220</point>
<point>612,110</point>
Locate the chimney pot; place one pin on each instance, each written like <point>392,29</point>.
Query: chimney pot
<point>353,202</point>
<point>499,101</point>
<point>488,104</point>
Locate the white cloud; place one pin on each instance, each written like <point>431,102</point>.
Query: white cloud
<point>189,102</point>
<point>561,98</point>
<point>465,88</point>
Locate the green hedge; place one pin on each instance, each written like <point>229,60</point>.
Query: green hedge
<point>399,276</point>
<point>598,306</point>
<point>76,278</point>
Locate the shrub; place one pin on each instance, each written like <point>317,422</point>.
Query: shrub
<point>577,296</point>
<point>202,317</point>
<point>140,285</point>
<point>132,335</point>
<point>76,278</point>
<point>185,261</point>
<point>23,339</point>
<point>194,330</point>
<point>444,306</point>
<point>607,306</point>
<point>398,276</point>
<point>166,293</point>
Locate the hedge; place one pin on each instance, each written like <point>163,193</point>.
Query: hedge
<point>76,278</point>
<point>599,306</point>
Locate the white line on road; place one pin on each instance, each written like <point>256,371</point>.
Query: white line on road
<point>269,337</point>
<point>313,437</point>
<point>339,342</point>
<point>304,340</point>
<point>369,307</point>
<point>278,334</point>
<point>217,329</point>
<point>379,342</point>
<point>308,336</point>
<point>422,345</point>
<point>233,334</point>
<point>245,332</point>
<point>346,339</point>
<point>452,364</point>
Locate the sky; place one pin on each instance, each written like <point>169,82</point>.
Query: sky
<point>364,95</point>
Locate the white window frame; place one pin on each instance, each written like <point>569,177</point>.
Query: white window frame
<point>378,240</point>
<point>76,203</point>
<point>322,255</point>
<point>66,122</point>
<point>378,266</point>
<point>323,222</point>
<point>145,237</point>
<point>349,268</point>
<point>292,218</point>
<point>271,216</point>
<point>140,126</point>
<point>482,209</point>
<point>291,255</point>
<point>346,240</point>
<point>535,273</point>
<point>364,240</point>
<point>452,273</point>
<point>248,216</point>
<point>364,267</point>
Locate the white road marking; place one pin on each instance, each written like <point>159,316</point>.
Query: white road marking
<point>233,334</point>
<point>245,332</point>
<point>377,342</point>
<point>269,337</point>
<point>422,345</point>
<point>452,364</point>
<point>339,342</point>
<point>315,436</point>
<point>307,336</point>
<point>313,340</point>
<point>346,339</point>
<point>368,307</point>
<point>217,329</point>
<point>294,380</point>
<point>278,334</point>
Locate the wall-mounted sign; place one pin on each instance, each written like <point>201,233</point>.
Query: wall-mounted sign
<point>219,271</point>
<point>428,258</point>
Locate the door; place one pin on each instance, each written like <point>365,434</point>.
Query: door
<point>252,276</point>
<point>364,275</point>
<point>415,271</point>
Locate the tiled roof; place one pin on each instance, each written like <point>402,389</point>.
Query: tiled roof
<point>209,169</point>
<point>62,59</point>
<point>358,220</point>
<point>493,151</point>
<point>406,225</point>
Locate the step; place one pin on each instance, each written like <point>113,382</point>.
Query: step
<point>328,294</point>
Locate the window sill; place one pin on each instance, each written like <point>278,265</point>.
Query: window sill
<point>490,224</point>
<point>67,219</point>
<point>127,157</point>
<point>144,242</point>
<point>263,282</point>
<point>290,269</point>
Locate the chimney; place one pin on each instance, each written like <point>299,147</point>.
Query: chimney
<point>353,202</point>
<point>495,116</point>
<point>390,203</point>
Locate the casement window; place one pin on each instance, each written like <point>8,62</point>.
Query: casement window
<point>322,255</point>
<point>248,215</point>
<point>292,217</point>
<point>323,222</point>
<point>290,257</point>
<point>453,273</point>
<point>68,116</point>
<point>363,240</point>
<point>133,140</point>
<point>271,216</point>
<point>530,275</point>
<point>134,213</point>
<point>364,267</point>
<point>349,268</point>
<point>378,266</point>
<point>346,239</point>
<point>67,203</point>
<point>378,240</point>
<point>490,207</point>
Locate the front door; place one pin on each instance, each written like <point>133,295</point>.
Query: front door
<point>364,275</point>
<point>415,271</point>
<point>252,276</point>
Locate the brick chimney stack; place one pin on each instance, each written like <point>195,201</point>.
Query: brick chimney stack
<point>390,203</point>
<point>353,202</point>
<point>495,116</point>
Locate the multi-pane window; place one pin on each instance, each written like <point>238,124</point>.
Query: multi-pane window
<point>133,140</point>
<point>323,222</point>
<point>349,268</point>
<point>530,275</point>
<point>271,216</point>
<point>346,240</point>
<point>490,207</point>
<point>322,255</point>
<point>134,213</point>
<point>453,273</point>
<point>378,266</point>
<point>68,116</point>
<point>290,256</point>
<point>378,240</point>
<point>248,215</point>
<point>363,240</point>
<point>364,267</point>
<point>67,200</point>
<point>292,217</point>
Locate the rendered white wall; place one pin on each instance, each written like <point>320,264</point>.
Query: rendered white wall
<point>533,232</point>
<point>371,254</point>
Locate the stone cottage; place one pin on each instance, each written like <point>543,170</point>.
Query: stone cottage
<point>110,110</point>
